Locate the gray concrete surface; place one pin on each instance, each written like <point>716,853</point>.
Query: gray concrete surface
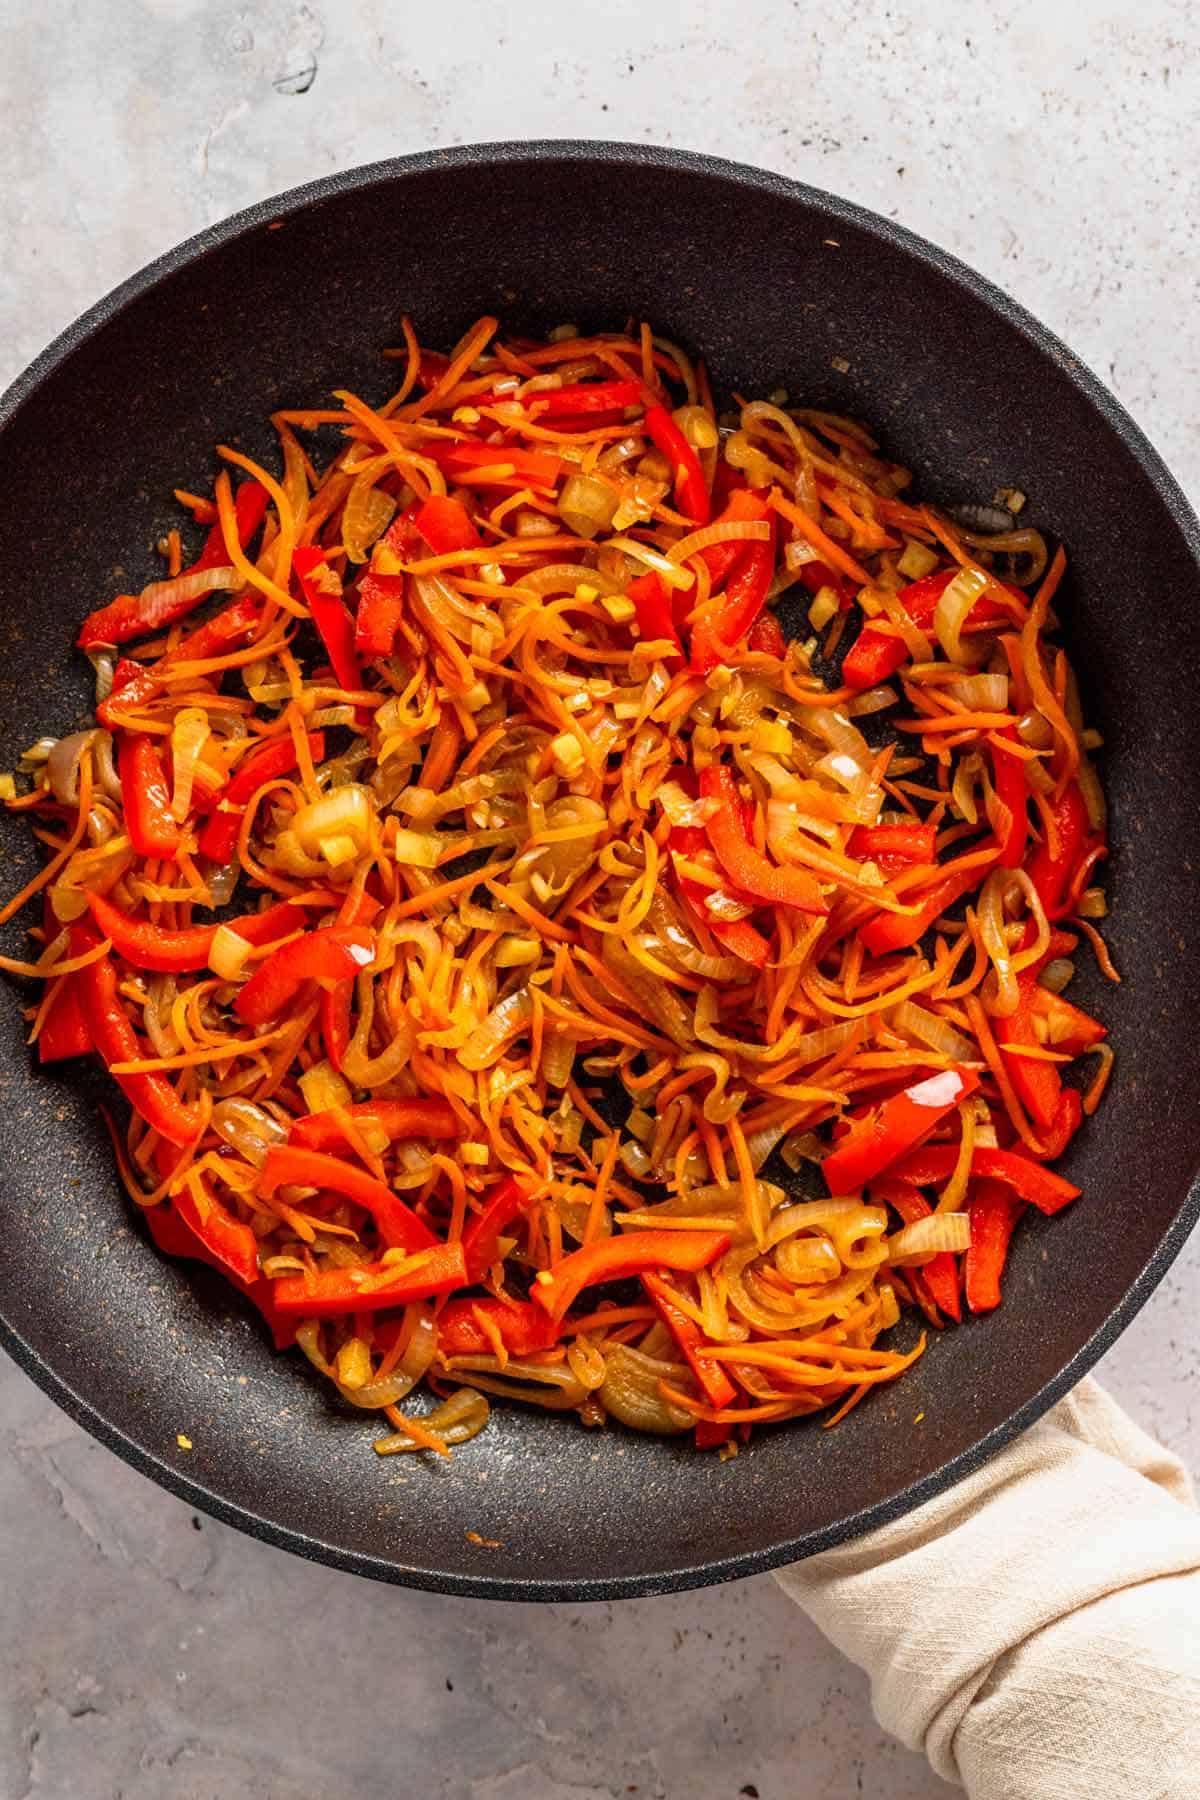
<point>145,1652</point>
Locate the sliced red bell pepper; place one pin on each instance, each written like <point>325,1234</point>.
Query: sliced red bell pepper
<point>994,1211</point>
<point>149,946</point>
<point>322,590</point>
<point>816,574</point>
<point>896,931</point>
<point>655,618</point>
<point>745,866</point>
<point>898,845</point>
<point>146,798</point>
<point>380,610</point>
<point>1044,1189</point>
<point>738,936</point>
<point>335,1021</point>
<point>743,600</point>
<point>766,636</point>
<point>482,1236</point>
<point>132,685</point>
<point>334,1292</point>
<point>462,462</point>
<point>331,954</point>
<point>397,1118</point>
<point>524,1328</point>
<point>940,1273</point>
<point>884,1133</point>
<point>223,632</point>
<point>691,490</point>
<point>445,524</point>
<point>611,1259</point>
<point>1068,1117</point>
<point>293,1165</point>
<point>579,397</point>
<point>176,1238</point>
<point>132,616</point>
<point>1071,1030</point>
<point>277,758</point>
<point>742,507</point>
<point>1051,874</point>
<point>710,1434</point>
<point>1038,1083</point>
<point>116,1041</point>
<point>877,654</point>
<point>64,1030</point>
<point>715,1384</point>
<point>233,1245</point>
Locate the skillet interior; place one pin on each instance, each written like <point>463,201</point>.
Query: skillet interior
<point>771,281</point>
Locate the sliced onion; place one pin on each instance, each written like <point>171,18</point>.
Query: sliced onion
<point>818,1046</point>
<point>983,693</point>
<point>631,1391</point>
<point>803,1146</point>
<point>915,641</point>
<point>1093,794</point>
<point>587,504</point>
<point>248,1129</point>
<point>930,1237</point>
<point>660,1004</point>
<point>736,532</point>
<point>798,553</point>
<point>102,665</point>
<point>366,516</point>
<point>506,1021</point>
<point>833,728</point>
<point>62,765</point>
<point>1057,975</point>
<point>927,1028</point>
<point>954,604</point>
<point>671,573</point>
<point>189,734</point>
<point>872,700</point>
<point>456,1421</point>
<point>228,952</point>
<point>995,941</point>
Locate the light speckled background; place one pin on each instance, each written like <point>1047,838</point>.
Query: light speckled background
<point>144,1652</point>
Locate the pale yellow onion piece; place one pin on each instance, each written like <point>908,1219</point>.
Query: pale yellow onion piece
<point>323,1088</point>
<point>631,1393</point>
<point>736,531</point>
<point>929,1237</point>
<point>366,515</point>
<point>228,952</point>
<point>927,1028</point>
<point>980,693</point>
<point>915,641</point>
<point>506,1021</point>
<point>346,812</point>
<point>550,1385</point>
<point>456,1421</point>
<point>189,734</point>
<point>247,1128</point>
<point>950,614</point>
<point>671,573</point>
<point>1057,975</point>
<point>587,504</point>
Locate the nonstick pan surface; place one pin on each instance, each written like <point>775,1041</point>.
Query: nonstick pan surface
<point>772,282</point>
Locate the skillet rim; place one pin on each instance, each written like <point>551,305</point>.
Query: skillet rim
<point>1138,446</point>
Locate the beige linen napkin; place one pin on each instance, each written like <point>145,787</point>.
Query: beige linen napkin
<point>1035,1630</point>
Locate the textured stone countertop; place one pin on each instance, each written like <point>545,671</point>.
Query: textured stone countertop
<point>146,1652</point>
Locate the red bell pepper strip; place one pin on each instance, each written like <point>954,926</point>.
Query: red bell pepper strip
<point>766,636</point>
<point>398,1118</point>
<point>1071,1030</point>
<point>900,845</point>
<point>322,590</point>
<point>745,866</point>
<point>146,798</point>
<point>380,610</point>
<point>139,615</point>
<point>743,600</point>
<point>691,491</point>
<point>1051,874</point>
<point>334,1019</point>
<point>611,1259</point>
<point>148,946</point>
<point>150,1094</point>
<point>132,685</point>
<point>940,1273</point>
<point>331,954</point>
<point>174,1237</point>
<point>1068,1117</point>
<point>655,618</point>
<point>460,462</point>
<point>233,1245</point>
<point>445,524</point>
<point>334,1292</point>
<point>888,1131</point>
<point>896,931</point>
<point>994,1211</point>
<point>220,834</point>
<point>578,397</point>
<point>1012,791</point>
<point>1040,1186</point>
<point>715,1384</point>
<point>249,509</point>
<point>294,1165</point>
<point>482,1236</point>
<point>224,631</point>
<point>878,654</point>
<point>524,1328</point>
<point>1038,1083</point>
<point>743,507</point>
<point>738,936</point>
<point>64,1030</point>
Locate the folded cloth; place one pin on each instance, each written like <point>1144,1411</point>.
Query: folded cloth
<point>1036,1629</point>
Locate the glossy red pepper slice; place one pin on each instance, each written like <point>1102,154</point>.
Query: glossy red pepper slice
<point>898,845</point>
<point>146,798</point>
<point>462,463</point>
<point>877,654</point>
<point>332,954</point>
<point>334,1292</point>
<point>1044,1189</point>
<point>432,1118</point>
<point>610,1259</point>
<point>994,1211</point>
<point>576,398</point>
<point>64,1030</point>
<point>897,931</point>
<point>714,1383</point>
<point>1051,873</point>
<point>116,1041</point>
<point>334,1019</point>
<point>655,617</point>
<point>278,758</point>
<point>148,946</point>
<point>445,524</point>
<point>1038,1083</point>
<point>524,1327</point>
<point>745,866</point>
<point>691,490</point>
<point>380,610</point>
<point>481,1237</point>
<point>940,1273</point>
<point>887,1131</point>
<point>1012,791</point>
<point>745,595</point>
<point>322,590</point>
<point>294,1165</point>
<point>174,1237</point>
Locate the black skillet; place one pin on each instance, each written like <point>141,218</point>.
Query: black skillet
<point>777,285</point>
